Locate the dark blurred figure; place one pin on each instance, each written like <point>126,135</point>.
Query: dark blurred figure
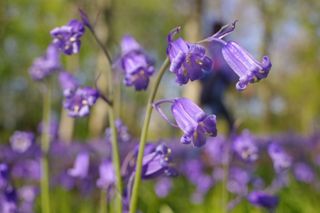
<point>216,82</point>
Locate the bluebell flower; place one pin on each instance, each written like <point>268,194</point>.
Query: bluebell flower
<point>80,102</point>
<point>188,61</point>
<point>4,175</point>
<point>262,199</point>
<point>106,175</point>
<point>244,145</point>
<point>45,65</point>
<point>163,187</point>
<point>67,37</point>
<point>303,172</point>
<point>9,201</point>
<point>136,65</point>
<point>281,160</point>
<point>240,61</point>
<point>21,141</point>
<point>191,119</point>
<point>81,166</point>
<point>238,181</point>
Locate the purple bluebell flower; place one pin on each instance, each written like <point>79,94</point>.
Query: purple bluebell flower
<point>244,145</point>
<point>244,65</point>
<point>81,166</point>
<point>217,150</point>
<point>106,175</point>
<point>8,201</point>
<point>303,172</point>
<point>163,187</point>
<point>45,65</point>
<point>67,37</point>
<point>21,141</point>
<point>4,175</point>
<point>191,119</point>
<point>281,160</point>
<point>262,199</point>
<point>27,195</point>
<point>27,169</point>
<point>238,181</point>
<point>157,162</point>
<point>188,61</point>
<point>53,128</point>
<point>68,83</point>
<point>79,103</point>
<point>135,63</point>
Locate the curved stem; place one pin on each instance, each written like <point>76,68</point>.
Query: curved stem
<point>103,201</point>
<point>143,138</point>
<point>157,104</point>
<point>114,132</point>
<point>45,143</point>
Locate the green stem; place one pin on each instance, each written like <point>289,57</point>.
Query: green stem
<point>143,138</point>
<point>45,143</point>
<point>114,132</point>
<point>103,201</point>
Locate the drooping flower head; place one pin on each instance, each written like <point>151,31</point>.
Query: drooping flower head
<point>281,160</point>
<point>106,175</point>
<point>157,162</point>
<point>79,102</point>
<point>45,65</point>
<point>136,65</point>
<point>68,83</point>
<point>81,166</point>
<point>191,119</point>
<point>244,145</point>
<point>21,141</point>
<point>262,199</point>
<point>240,61</point>
<point>188,61</point>
<point>67,37</point>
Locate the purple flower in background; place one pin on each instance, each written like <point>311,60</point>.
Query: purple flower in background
<point>188,61</point>
<point>304,173</point>
<point>244,65</point>
<point>135,63</point>
<point>217,151</point>
<point>281,160</point>
<point>27,169</point>
<point>68,83</point>
<point>123,134</point>
<point>67,37</point>
<point>4,175</point>
<point>157,162</point>
<point>263,199</point>
<point>53,128</point>
<point>45,65</point>
<point>163,187</point>
<point>244,145</point>
<point>21,141</point>
<point>106,175</point>
<point>27,195</point>
<point>79,103</point>
<point>81,166</point>
<point>191,119</point>
<point>238,181</point>
<point>8,200</point>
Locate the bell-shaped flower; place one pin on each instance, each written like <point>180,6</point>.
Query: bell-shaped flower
<point>80,102</point>
<point>191,119</point>
<point>244,65</point>
<point>303,172</point>
<point>281,160</point>
<point>45,65</point>
<point>244,145</point>
<point>136,65</point>
<point>67,37</point>
<point>188,61</point>
<point>81,166</point>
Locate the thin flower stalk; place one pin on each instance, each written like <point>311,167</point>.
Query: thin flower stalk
<point>143,137</point>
